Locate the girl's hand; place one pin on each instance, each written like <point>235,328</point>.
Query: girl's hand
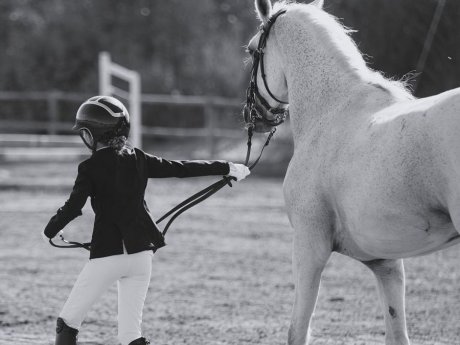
<point>47,239</point>
<point>238,171</point>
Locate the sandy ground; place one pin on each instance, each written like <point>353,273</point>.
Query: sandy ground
<point>224,278</point>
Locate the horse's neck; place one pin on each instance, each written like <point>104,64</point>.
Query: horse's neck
<point>321,85</point>
<point>332,98</point>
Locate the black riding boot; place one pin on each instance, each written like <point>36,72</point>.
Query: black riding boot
<point>65,335</point>
<point>140,341</point>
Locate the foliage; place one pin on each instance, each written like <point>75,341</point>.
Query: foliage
<point>393,32</point>
<point>196,47</point>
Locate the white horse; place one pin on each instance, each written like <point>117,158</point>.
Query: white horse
<point>375,172</point>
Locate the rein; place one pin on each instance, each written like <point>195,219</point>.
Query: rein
<point>70,244</point>
<point>188,203</point>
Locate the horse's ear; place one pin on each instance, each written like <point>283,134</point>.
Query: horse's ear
<point>318,3</point>
<point>264,9</point>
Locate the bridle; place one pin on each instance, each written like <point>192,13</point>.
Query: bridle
<point>257,109</point>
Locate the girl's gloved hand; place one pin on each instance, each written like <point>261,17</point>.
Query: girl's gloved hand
<point>238,171</point>
<point>47,239</point>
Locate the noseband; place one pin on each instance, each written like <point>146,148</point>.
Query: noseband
<point>257,109</point>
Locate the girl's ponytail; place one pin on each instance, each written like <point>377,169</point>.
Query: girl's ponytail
<point>118,144</point>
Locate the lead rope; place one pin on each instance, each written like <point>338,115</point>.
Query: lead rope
<point>202,195</point>
<point>194,200</point>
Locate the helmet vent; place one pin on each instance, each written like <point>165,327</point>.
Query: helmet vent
<point>111,106</point>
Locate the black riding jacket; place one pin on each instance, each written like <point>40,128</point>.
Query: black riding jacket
<point>116,184</point>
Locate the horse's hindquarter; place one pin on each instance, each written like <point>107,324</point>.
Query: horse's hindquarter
<point>388,180</point>
<point>391,187</point>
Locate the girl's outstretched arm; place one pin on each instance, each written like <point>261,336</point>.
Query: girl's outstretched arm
<point>160,167</point>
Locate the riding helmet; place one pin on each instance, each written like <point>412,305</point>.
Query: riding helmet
<point>104,117</point>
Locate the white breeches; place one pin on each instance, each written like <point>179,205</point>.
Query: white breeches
<point>131,272</point>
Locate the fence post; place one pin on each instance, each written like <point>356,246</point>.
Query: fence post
<point>105,78</point>
<point>135,104</point>
<point>52,104</point>
<point>210,122</point>
<point>107,69</point>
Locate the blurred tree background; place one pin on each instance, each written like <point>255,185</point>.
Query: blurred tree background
<point>196,47</point>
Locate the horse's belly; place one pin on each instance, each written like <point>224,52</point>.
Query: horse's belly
<point>398,239</point>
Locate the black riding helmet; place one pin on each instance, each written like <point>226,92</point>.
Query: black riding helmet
<point>101,118</point>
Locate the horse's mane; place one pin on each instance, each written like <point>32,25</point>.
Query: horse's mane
<point>340,38</point>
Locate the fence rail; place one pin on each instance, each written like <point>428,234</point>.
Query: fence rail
<point>56,96</point>
<point>53,125</point>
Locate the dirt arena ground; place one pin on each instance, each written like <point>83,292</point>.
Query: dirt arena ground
<point>224,278</point>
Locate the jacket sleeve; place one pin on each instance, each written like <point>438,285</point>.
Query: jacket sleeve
<point>160,167</point>
<point>72,207</point>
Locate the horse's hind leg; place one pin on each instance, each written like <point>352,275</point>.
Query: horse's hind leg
<point>310,256</point>
<point>390,282</point>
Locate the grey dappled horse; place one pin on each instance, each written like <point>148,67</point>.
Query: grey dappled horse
<point>375,172</point>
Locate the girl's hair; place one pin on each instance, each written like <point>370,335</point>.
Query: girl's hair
<point>118,144</point>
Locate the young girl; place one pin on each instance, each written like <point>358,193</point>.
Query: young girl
<point>124,234</point>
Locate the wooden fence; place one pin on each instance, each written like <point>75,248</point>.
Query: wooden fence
<point>53,125</point>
